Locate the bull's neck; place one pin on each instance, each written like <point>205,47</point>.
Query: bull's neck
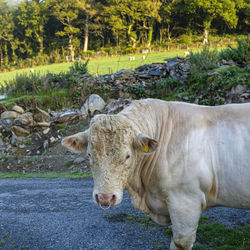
<point>145,117</point>
<point>149,119</point>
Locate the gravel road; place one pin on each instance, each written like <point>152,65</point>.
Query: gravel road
<point>60,214</point>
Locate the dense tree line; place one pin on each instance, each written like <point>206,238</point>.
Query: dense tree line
<point>54,28</point>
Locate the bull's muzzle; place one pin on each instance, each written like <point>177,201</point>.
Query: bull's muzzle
<point>105,201</point>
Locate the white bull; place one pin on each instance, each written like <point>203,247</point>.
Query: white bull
<point>175,159</point>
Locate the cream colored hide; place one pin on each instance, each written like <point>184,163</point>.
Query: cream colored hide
<point>175,159</point>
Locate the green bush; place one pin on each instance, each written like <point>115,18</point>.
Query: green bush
<point>202,61</point>
<point>211,89</point>
<point>240,53</point>
<point>79,67</point>
<point>137,90</point>
<point>25,83</point>
<point>165,87</point>
<point>89,53</point>
<point>185,39</point>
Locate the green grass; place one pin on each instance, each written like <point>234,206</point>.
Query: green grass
<point>56,99</point>
<point>101,66</point>
<point>75,175</point>
<point>215,236</point>
<point>68,163</point>
<point>144,221</point>
<point>210,235</point>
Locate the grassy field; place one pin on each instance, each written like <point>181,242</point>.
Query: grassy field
<point>99,66</point>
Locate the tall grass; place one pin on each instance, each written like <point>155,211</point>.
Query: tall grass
<point>204,60</point>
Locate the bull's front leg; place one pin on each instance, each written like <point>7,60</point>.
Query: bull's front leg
<point>185,211</point>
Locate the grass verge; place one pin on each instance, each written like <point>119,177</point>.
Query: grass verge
<point>215,236</point>
<point>73,175</point>
<point>210,235</point>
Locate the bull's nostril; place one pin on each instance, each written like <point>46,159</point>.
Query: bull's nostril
<point>96,198</point>
<point>113,200</point>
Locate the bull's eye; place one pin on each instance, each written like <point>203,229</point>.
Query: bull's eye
<point>127,157</point>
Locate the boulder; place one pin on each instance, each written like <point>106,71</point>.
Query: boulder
<point>5,125</point>
<point>43,124</point>
<point>46,131</point>
<point>18,109</point>
<point>18,131</point>
<point>25,119</point>
<point>114,106</point>
<point>1,142</point>
<point>2,108</point>
<point>68,117</point>
<point>79,160</point>
<point>93,103</point>
<point>239,89</point>
<point>123,74</point>
<point>9,115</point>
<point>41,115</point>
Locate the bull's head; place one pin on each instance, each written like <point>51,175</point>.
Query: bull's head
<point>114,148</point>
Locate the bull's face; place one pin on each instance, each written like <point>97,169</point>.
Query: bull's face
<point>114,148</point>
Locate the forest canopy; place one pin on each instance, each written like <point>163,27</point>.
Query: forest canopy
<point>54,29</point>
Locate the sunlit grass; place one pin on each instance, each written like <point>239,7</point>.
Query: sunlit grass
<point>99,66</point>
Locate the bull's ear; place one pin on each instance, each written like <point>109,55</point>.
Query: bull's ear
<point>145,144</point>
<point>76,143</point>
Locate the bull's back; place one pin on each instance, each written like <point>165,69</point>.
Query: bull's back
<point>231,150</point>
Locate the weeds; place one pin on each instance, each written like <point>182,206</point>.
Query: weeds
<point>27,141</point>
<point>240,54</point>
<point>68,163</point>
<point>24,83</point>
<point>165,87</point>
<point>203,61</point>
<point>144,221</point>
<point>79,67</point>
<point>137,90</point>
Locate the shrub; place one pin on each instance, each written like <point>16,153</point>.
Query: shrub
<point>202,61</point>
<point>79,67</point>
<point>185,39</point>
<point>165,87</point>
<point>137,90</point>
<point>240,54</point>
<point>89,53</point>
<point>25,83</point>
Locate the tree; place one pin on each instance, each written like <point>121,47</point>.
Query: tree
<point>123,15</point>
<point>66,12</point>
<point>149,15</point>
<point>90,10</point>
<point>167,13</point>
<point>6,32</point>
<point>243,13</point>
<point>209,10</point>
<point>33,17</point>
